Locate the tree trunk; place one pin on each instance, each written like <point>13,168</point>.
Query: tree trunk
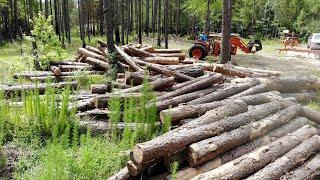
<point>147,17</point>
<point>97,63</point>
<point>226,31</point>
<point>101,101</point>
<point>178,3</point>
<point>208,18</point>
<point>208,149</point>
<point>166,22</point>
<point>95,50</point>
<point>109,24</point>
<point>182,56</point>
<point>123,174</point>
<point>137,78</point>
<point>254,161</point>
<point>154,15</point>
<point>190,172</point>
<point>308,171</point>
<point>162,60</point>
<point>140,21</point>
<point>290,160</point>
<point>159,23</point>
<point>128,59</point>
<point>311,115</point>
<point>86,53</point>
<point>122,22</point>
<point>181,85</point>
<point>139,53</point>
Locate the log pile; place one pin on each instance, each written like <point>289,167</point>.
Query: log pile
<point>227,122</point>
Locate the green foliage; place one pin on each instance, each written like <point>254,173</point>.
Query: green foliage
<point>48,46</point>
<point>174,169</point>
<point>85,80</point>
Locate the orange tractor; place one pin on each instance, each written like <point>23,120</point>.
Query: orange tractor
<point>202,49</point>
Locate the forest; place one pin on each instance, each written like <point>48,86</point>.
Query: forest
<point>159,89</point>
<point>181,17</point>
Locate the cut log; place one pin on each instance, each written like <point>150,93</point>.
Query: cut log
<point>84,52</point>
<point>120,85</point>
<point>195,71</point>
<point>195,131</point>
<point>311,115</point>
<point>83,105</point>
<point>59,78</point>
<point>202,84</point>
<point>224,93</point>
<point>95,50</point>
<point>101,101</point>
<point>56,63</point>
<point>102,43</point>
<point>254,161</point>
<point>95,114</point>
<point>136,169</point>
<point>147,48</point>
<point>160,84</point>
<point>162,60</point>
<point>101,88</point>
<point>208,149</point>
<point>175,101</point>
<point>180,85</point>
<point>190,172</point>
<point>18,89</point>
<point>69,68</point>
<point>97,63</point>
<point>123,174</point>
<point>263,71</point>
<point>181,56</point>
<point>140,53</point>
<point>163,70</point>
<point>230,71</point>
<point>166,51</point>
<point>28,74</point>
<point>104,50</point>
<point>136,78</point>
<point>310,170</point>
<point>290,160</point>
<point>193,111</point>
<point>128,59</point>
<point>302,97</point>
<point>55,70</point>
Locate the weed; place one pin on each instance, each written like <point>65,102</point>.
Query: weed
<point>174,169</point>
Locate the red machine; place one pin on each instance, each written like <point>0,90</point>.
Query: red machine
<point>201,49</point>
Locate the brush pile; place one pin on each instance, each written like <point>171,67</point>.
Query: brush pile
<point>227,122</point>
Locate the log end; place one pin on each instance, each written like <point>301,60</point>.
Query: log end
<point>138,155</point>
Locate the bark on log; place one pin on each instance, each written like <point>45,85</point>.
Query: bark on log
<point>162,60</point>
<point>181,56</point>
<point>93,49</point>
<point>123,174</point>
<point>120,85</point>
<point>224,93</point>
<point>69,68</point>
<point>252,70</point>
<point>101,101</point>
<point>208,149</point>
<point>195,71</point>
<point>301,97</point>
<point>104,50</point>
<point>175,101</point>
<point>101,88</point>
<point>102,43</point>
<point>190,172</point>
<point>311,115</point>
<point>58,78</point>
<point>290,160</point>
<point>95,114</point>
<point>163,70</point>
<point>254,161</point>
<point>202,84</point>
<point>136,78</point>
<point>308,171</point>
<point>180,85</point>
<point>97,63</point>
<point>140,53</point>
<point>166,51</point>
<point>193,111</point>
<point>195,131</point>
<point>160,84</point>
<point>55,70</point>
<point>56,63</point>
<point>84,52</point>
<point>136,169</point>
<point>18,89</point>
<point>147,48</point>
<point>128,59</point>
<point>83,105</point>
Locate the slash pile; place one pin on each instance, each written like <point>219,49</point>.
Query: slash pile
<point>228,122</point>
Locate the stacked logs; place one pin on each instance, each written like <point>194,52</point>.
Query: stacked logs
<point>228,122</point>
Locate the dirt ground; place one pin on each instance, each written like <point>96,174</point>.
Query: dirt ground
<point>268,58</point>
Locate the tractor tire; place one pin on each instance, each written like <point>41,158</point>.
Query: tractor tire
<point>198,51</point>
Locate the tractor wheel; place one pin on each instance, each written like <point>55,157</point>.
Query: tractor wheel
<point>198,51</point>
